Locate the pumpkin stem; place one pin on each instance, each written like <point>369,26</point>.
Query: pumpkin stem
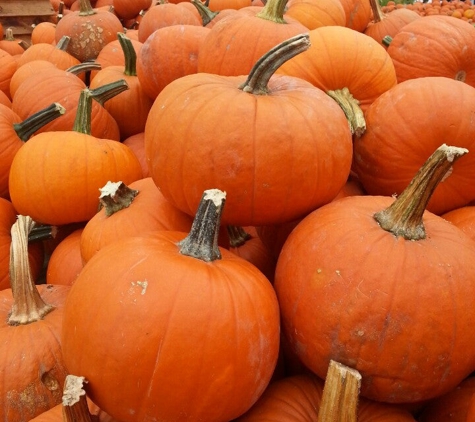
<point>237,236</point>
<point>63,43</point>
<point>28,306</point>
<point>387,40</point>
<point>84,67</point>
<point>351,108</point>
<point>340,394</point>
<point>82,122</point>
<point>115,197</point>
<point>36,121</point>
<point>273,10</point>
<point>129,54</point>
<point>207,15</point>
<point>404,216</point>
<point>378,14</point>
<point>75,407</point>
<point>265,67</point>
<point>42,232</point>
<point>85,8</point>
<point>202,241</point>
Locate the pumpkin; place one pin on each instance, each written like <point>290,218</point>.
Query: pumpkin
<point>56,54</point>
<point>236,43</point>
<point>5,100</point>
<point>315,14</point>
<point>453,406</point>
<point>130,108</point>
<point>209,17</point>
<point>358,14</point>
<point>65,262</point>
<point>90,30</point>
<point>435,46</point>
<point>168,54</point>
<point>30,326</point>
<point>177,296</point>
<point>162,15</point>
<point>126,9</point>
<point>398,139</point>
<point>64,87</point>
<point>137,144</point>
<point>129,211</point>
<point>354,72</point>
<point>298,398</point>
<point>305,170</point>
<point>463,218</point>
<point>25,71</point>
<point>10,44</point>
<point>8,66</point>
<point>46,191</point>
<point>388,24</point>
<point>357,281</point>
<point>43,32</point>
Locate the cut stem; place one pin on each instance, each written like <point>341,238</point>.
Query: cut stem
<point>237,236</point>
<point>202,241</point>
<point>129,54</point>
<point>116,196</point>
<point>340,394</point>
<point>75,407</point>
<point>36,121</point>
<point>404,216</point>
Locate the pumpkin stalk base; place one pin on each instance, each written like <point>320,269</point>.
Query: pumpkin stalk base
<point>404,216</point>
<point>351,108</point>
<point>115,197</point>
<point>75,407</point>
<point>202,241</point>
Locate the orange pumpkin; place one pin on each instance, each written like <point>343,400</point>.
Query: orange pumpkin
<point>47,192</point>
<point>259,114</point>
<point>30,326</point>
<point>404,126</point>
<point>315,14</point>
<point>176,297</point>
<point>357,281</point>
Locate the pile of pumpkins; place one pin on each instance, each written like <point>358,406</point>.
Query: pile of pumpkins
<point>204,207</point>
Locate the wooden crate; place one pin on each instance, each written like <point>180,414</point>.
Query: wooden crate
<point>21,16</point>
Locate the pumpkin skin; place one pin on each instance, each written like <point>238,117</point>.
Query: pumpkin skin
<point>453,406</point>
<point>187,303</point>
<point>398,140</point>
<point>314,14</point>
<point>149,211</point>
<point>355,61</point>
<point>48,194</point>
<point>297,399</point>
<point>417,53</point>
<point>352,292</point>
<point>463,218</point>
<point>358,14</point>
<point>305,170</point>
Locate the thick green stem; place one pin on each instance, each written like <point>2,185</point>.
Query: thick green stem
<point>84,67</point>
<point>82,122</point>
<point>116,196</point>
<point>202,241</point>
<point>265,67</point>
<point>351,108</point>
<point>273,11</point>
<point>404,216</point>
<point>36,121</point>
<point>129,54</point>
<point>28,306</point>
<point>42,232</point>
<point>63,43</point>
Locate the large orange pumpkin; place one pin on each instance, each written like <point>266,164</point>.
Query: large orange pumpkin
<point>384,287</point>
<point>278,146</point>
<point>405,125</point>
<point>193,328</point>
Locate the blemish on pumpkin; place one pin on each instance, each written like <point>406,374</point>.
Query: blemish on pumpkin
<point>142,284</point>
<point>338,273</point>
<point>50,382</point>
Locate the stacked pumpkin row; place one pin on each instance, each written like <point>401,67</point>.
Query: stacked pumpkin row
<point>198,141</point>
<point>460,9</point>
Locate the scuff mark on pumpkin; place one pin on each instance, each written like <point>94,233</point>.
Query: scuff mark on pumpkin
<point>142,284</point>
